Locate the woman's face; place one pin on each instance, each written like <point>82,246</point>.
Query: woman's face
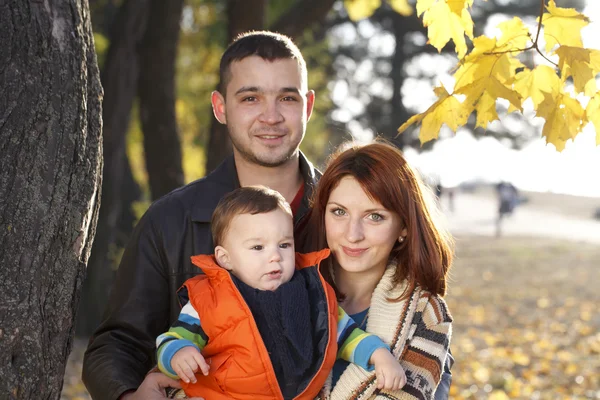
<point>360,231</point>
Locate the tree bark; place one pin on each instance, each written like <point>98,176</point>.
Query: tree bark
<point>119,78</point>
<point>399,113</point>
<point>162,146</point>
<point>243,15</point>
<point>50,175</point>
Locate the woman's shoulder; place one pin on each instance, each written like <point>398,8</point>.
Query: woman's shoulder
<point>433,308</point>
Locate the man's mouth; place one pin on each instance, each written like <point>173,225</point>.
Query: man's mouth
<point>268,137</point>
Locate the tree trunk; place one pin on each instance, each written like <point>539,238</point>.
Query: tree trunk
<point>301,16</point>
<point>119,78</point>
<point>243,15</point>
<point>50,175</point>
<point>162,146</point>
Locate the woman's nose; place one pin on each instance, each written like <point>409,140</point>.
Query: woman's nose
<point>354,231</point>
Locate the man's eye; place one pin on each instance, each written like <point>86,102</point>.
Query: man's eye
<point>257,247</point>
<point>249,99</point>
<point>289,98</point>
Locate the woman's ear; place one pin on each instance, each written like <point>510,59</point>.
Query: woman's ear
<point>222,257</point>
<point>403,234</point>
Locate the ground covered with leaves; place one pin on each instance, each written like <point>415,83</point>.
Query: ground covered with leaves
<point>526,321</point>
<point>526,324</point>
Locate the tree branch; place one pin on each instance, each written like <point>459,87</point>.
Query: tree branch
<point>535,44</point>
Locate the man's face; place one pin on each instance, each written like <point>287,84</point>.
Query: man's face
<point>266,108</point>
<point>259,249</point>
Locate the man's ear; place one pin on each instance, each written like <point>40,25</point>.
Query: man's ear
<point>310,103</point>
<point>222,257</point>
<point>218,105</point>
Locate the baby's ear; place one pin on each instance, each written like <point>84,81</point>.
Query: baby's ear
<point>222,257</point>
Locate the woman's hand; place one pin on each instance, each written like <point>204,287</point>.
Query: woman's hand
<point>186,363</point>
<point>390,375</point>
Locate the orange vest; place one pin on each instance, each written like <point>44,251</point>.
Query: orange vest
<point>240,367</point>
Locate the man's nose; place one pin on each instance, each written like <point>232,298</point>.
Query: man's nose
<point>271,114</point>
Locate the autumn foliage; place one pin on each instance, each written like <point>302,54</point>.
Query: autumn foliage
<point>492,69</point>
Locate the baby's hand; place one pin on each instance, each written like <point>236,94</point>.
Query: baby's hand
<point>185,363</point>
<point>390,375</point>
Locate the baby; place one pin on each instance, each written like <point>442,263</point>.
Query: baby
<point>261,322</point>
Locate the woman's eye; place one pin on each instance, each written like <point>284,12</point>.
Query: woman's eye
<point>338,211</point>
<point>257,247</point>
<point>376,217</point>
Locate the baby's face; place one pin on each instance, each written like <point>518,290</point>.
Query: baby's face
<point>261,249</point>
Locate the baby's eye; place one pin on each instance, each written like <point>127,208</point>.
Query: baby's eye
<point>376,217</point>
<point>257,247</point>
<point>338,212</point>
<point>285,245</point>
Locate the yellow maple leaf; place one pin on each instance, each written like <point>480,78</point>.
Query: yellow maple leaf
<point>446,110</point>
<point>484,61</point>
<point>359,9</point>
<point>593,114</point>
<point>424,5</point>
<point>401,7</point>
<point>486,110</point>
<point>563,26</point>
<point>565,118</point>
<point>533,83</point>
<point>482,95</point>
<point>447,20</point>
<point>582,64</point>
<point>515,35</point>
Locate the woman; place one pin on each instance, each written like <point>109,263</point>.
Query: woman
<point>389,266</point>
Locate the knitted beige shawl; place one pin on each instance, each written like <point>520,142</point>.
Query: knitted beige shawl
<point>417,329</point>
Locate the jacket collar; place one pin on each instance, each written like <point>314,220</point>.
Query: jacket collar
<point>225,180</point>
<point>208,263</point>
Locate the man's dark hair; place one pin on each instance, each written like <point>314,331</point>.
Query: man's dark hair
<point>269,46</point>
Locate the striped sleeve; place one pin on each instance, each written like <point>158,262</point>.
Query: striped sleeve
<point>355,345</point>
<point>186,331</point>
<point>424,357</point>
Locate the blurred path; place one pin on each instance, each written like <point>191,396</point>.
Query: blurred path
<point>476,214</point>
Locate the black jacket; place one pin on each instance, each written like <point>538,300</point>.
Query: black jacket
<point>156,262</point>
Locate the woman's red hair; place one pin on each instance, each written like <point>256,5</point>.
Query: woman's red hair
<point>425,256</point>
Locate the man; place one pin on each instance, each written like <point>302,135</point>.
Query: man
<point>264,100</point>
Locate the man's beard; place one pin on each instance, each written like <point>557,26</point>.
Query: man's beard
<point>253,158</point>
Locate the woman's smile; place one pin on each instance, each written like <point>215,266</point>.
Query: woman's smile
<point>354,252</point>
